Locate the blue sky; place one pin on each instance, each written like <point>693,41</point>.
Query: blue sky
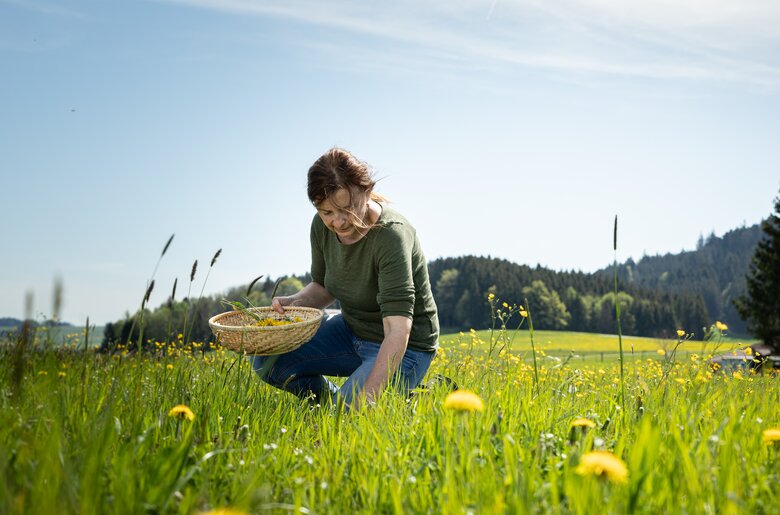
<point>511,129</point>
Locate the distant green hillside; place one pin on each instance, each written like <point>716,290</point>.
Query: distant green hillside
<point>660,294</point>
<point>61,335</point>
<point>715,271</point>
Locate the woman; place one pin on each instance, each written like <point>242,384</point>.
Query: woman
<point>368,257</point>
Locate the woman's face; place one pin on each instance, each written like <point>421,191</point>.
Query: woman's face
<point>335,213</point>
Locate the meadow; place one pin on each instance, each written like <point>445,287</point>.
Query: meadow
<point>193,430</point>
<point>577,346</point>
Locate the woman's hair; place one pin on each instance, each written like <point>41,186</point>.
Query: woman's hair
<point>338,169</point>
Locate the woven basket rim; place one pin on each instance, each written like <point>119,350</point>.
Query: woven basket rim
<point>214,321</point>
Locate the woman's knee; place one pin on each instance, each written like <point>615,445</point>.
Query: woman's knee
<point>265,367</point>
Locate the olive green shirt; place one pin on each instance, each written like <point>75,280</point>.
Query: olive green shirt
<point>382,274</point>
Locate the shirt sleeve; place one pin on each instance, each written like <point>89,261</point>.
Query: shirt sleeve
<point>396,281</point>
<point>317,256</point>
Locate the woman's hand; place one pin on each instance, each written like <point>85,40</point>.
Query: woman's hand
<point>313,295</point>
<point>278,303</point>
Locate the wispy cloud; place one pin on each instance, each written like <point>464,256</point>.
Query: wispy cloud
<point>717,40</point>
<point>45,8</point>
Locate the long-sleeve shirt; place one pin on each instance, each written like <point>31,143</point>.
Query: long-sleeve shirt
<point>382,274</point>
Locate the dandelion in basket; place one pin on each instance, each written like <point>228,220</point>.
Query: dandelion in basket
<point>261,320</point>
<point>272,322</point>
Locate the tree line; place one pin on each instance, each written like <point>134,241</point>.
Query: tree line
<point>657,295</point>
<point>715,271</point>
<point>575,301</point>
<point>187,320</point>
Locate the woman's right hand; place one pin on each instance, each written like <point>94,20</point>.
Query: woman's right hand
<point>313,295</point>
<point>278,303</point>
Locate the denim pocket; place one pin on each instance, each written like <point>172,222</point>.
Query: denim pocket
<point>409,361</point>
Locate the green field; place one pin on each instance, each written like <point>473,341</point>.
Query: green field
<point>89,433</point>
<point>591,346</point>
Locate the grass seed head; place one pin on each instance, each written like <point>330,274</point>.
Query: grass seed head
<point>148,293</point>
<point>57,299</point>
<point>194,269</point>
<point>214,259</point>
<point>168,244</point>
<point>614,235</point>
<point>254,281</point>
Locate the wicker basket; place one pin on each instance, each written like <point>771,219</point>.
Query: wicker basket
<point>236,331</point>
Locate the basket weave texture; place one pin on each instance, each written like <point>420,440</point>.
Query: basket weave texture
<point>236,331</point>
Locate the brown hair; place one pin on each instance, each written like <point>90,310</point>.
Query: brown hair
<point>339,169</point>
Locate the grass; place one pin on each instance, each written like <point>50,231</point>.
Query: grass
<point>90,433</point>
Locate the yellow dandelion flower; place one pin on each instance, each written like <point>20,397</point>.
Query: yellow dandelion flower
<point>463,400</point>
<point>491,296</point>
<point>748,351</point>
<point>169,366</point>
<point>679,380</point>
<point>523,313</point>
<point>721,326</point>
<point>661,352</point>
<point>181,412</point>
<point>224,511</point>
<point>180,336</point>
<point>771,436</point>
<point>603,464</point>
<point>737,375</point>
<point>61,373</point>
<point>680,333</point>
<point>582,422</point>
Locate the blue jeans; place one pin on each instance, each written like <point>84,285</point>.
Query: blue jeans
<point>335,351</point>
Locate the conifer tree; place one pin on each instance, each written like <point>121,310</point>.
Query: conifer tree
<point>760,307</point>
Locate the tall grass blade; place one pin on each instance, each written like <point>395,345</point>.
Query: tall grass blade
<point>533,347</point>
<point>149,285</point>
<point>617,316</point>
<point>188,331</point>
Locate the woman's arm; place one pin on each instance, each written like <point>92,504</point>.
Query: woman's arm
<point>391,352</point>
<point>313,295</point>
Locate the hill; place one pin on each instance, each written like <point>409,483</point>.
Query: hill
<point>715,271</point>
<point>688,290</point>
